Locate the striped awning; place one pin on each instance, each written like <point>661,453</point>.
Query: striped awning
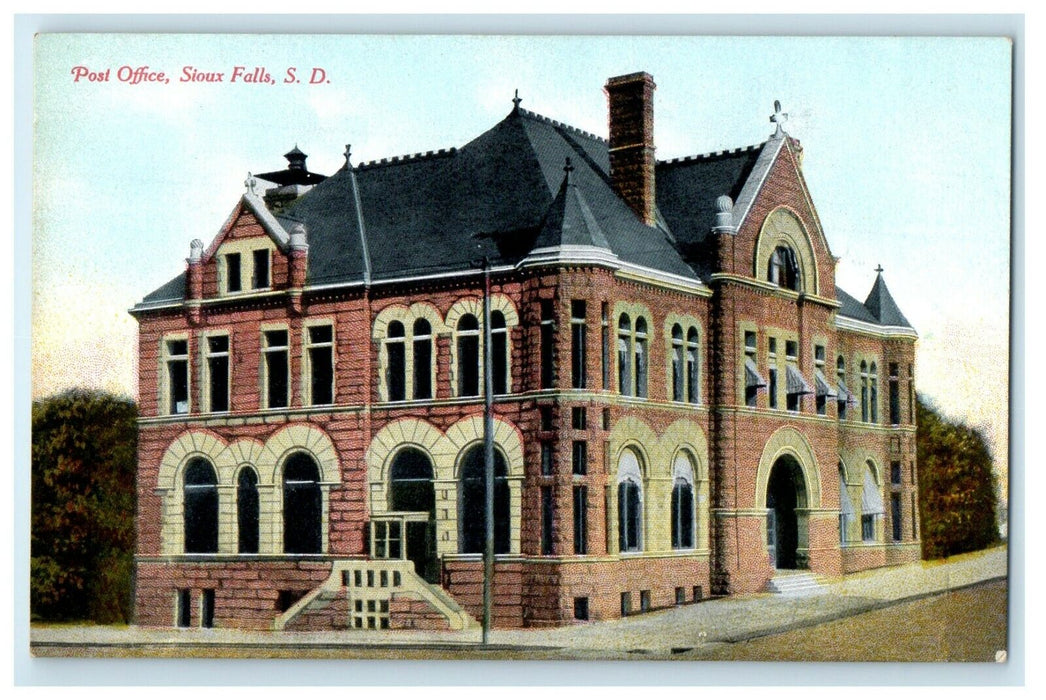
<point>846,506</point>
<point>846,395</point>
<point>871,498</point>
<point>752,376</point>
<point>823,387</point>
<point>797,384</point>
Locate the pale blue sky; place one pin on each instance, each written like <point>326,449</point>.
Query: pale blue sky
<point>907,155</point>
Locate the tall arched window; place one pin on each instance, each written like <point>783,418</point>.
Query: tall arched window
<point>864,391</point>
<point>302,506</point>
<point>843,395</point>
<point>692,367</point>
<point>678,363</point>
<point>201,508</point>
<point>422,359</point>
<point>642,357</point>
<point>468,356</point>
<point>472,517</point>
<point>629,503</point>
<point>411,490</point>
<point>682,503</point>
<point>873,384</point>
<point>846,509</point>
<point>396,353</point>
<point>624,355</point>
<point>247,511</point>
<point>499,352</point>
<point>783,268</point>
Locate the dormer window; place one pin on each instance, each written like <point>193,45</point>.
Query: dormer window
<point>244,266</point>
<point>233,278</point>
<point>260,276</point>
<point>783,268</point>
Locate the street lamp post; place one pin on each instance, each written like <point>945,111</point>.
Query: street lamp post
<point>488,456</point>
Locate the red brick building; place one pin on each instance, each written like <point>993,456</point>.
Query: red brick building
<point>685,403</point>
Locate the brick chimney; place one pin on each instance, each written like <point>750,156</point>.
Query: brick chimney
<point>631,99</point>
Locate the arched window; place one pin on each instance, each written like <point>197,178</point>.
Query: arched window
<point>410,482</point>
<point>302,506</point>
<point>783,269</point>
<point>864,391</point>
<point>873,385</point>
<point>846,509</point>
<point>396,372</point>
<point>871,503</point>
<point>247,511</point>
<point>843,395</point>
<point>683,503</point>
<point>422,359</point>
<point>201,508</point>
<point>678,363</point>
<point>629,503</point>
<point>468,356</point>
<point>642,357</point>
<point>624,355</point>
<point>692,367</point>
<point>472,517</point>
<point>499,352</point>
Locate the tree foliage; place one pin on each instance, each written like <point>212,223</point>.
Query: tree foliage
<point>84,447</point>
<point>957,495</point>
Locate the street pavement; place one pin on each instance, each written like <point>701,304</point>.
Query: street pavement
<point>657,634</point>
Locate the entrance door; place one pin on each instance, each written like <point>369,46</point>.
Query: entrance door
<point>785,492</point>
<point>421,549</point>
<point>411,491</point>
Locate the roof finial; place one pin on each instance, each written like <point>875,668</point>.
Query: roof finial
<point>568,168</point>
<point>778,117</point>
<point>879,269</point>
<point>348,155</point>
<point>250,183</point>
<point>516,100</point>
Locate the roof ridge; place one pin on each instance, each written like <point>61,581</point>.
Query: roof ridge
<point>409,158</point>
<point>712,154</point>
<point>561,125</point>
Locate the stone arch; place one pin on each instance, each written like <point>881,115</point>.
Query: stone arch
<point>193,443</point>
<point>241,452</point>
<point>789,441</point>
<point>406,432</point>
<point>631,432</point>
<point>474,306</point>
<point>685,435</point>
<point>784,226</point>
<point>299,437</point>
<point>467,431</point>
<point>407,315</point>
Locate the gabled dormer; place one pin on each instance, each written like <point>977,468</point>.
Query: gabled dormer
<point>772,233</point>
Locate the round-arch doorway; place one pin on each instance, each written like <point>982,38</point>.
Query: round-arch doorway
<point>785,526</point>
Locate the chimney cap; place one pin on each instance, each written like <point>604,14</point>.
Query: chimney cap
<point>641,76</point>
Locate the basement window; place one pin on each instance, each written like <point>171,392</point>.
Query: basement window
<point>581,608</point>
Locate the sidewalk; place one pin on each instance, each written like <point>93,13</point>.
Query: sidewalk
<point>657,633</point>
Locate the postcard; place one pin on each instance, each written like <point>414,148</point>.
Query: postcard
<point>520,347</point>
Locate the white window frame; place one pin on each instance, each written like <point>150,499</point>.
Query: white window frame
<point>266,400</point>
<point>306,359</point>
<point>166,357</point>
<point>205,369</point>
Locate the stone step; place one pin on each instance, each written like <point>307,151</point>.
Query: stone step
<point>796,584</point>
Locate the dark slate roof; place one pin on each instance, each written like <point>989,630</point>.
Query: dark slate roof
<point>882,305</point>
<point>439,212</point>
<point>171,291</point>
<point>879,308</point>
<point>852,308</point>
<point>686,192</point>
<point>570,221</point>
